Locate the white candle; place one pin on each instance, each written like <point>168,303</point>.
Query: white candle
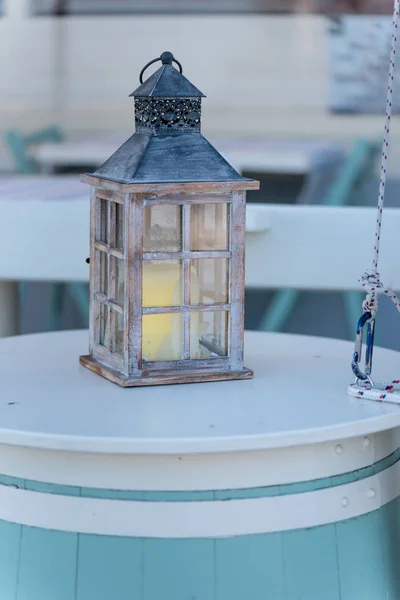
<point>162,333</point>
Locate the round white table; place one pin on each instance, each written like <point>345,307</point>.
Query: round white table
<point>279,487</point>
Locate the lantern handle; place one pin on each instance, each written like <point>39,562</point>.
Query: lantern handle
<point>167,58</point>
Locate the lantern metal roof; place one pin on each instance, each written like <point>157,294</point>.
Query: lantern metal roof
<point>168,145</point>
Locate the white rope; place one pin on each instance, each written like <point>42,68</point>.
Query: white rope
<point>380,392</point>
<point>371,280</point>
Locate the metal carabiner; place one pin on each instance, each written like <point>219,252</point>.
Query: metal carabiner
<point>369,319</point>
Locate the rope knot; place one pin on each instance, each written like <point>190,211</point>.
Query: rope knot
<point>374,287</point>
<point>371,282</point>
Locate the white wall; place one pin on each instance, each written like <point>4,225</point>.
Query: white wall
<point>262,75</point>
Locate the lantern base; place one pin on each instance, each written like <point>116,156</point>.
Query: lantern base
<point>173,377</point>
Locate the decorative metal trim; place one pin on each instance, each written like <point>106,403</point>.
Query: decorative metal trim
<point>162,115</point>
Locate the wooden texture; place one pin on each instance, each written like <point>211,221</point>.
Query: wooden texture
<point>111,569</point>
<point>156,310</point>
<point>103,243</point>
<point>164,377</point>
<point>138,188</point>
<point>111,251</point>
<point>134,283</point>
<point>390,524</point>
<point>311,565</point>
<point>236,296</point>
<point>110,195</point>
<point>289,566</point>
<point>178,570</point>
<point>10,540</point>
<point>94,278</point>
<point>360,543</point>
<point>250,567</point>
<point>190,254</point>
<point>47,565</point>
<point>188,198</point>
<point>186,282</point>
<point>103,298</point>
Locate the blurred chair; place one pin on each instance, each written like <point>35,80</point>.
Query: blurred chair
<point>330,185</point>
<point>318,248</point>
<point>19,146</point>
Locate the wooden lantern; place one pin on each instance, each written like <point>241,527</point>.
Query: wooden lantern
<point>167,247</point>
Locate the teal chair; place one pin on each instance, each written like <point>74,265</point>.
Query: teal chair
<point>19,146</point>
<point>341,187</point>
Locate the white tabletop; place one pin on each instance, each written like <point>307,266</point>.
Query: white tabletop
<point>264,155</point>
<point>298,396</point>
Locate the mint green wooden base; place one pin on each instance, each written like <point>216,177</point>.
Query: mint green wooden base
<point>351,560</point>
<point>356,559</point>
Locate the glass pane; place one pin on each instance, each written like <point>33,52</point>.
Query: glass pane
<point>103,273</point>
<point>102,235</point>
<point>209,281</point>
<point>209,227</point>
<point>117,270</point>
<point>118,332</point>
<point>119,226</point>
<point>162,337</point>
<point>162,228</point>
<point>162,283</point>
<point>209,334</point>
<point>103,329</point>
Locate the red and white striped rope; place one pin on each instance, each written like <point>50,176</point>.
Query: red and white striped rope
<point>371,279</point>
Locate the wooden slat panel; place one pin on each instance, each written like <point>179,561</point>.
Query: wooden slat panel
<point>186,281</point>
<point>109,568</point>
<point>212,364</point>
<point>133,309</point>
<point>390,525</point>
<point>109,195</point>
<point>311,566</point>
<point>236,296</point>
<point>250,567</point>
<point>107,358</point>
<point>10,537</point>
<point>102,298</point>
<point>113,251</point>
<point>360,556</point>
<point>188,254</point>
<point>47,565</point>
<point>159,310</point>
<point>94,270</point>
<point>321,248</point>
<point>178,569</point>
<point>195,199</point>
<point>138,188</point>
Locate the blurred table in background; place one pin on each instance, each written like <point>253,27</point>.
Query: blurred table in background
<point>288,157</point>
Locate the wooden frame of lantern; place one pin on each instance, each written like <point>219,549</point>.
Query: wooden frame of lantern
<point>167,265</point>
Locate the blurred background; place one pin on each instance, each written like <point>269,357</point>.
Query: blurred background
<point>296,91</point>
